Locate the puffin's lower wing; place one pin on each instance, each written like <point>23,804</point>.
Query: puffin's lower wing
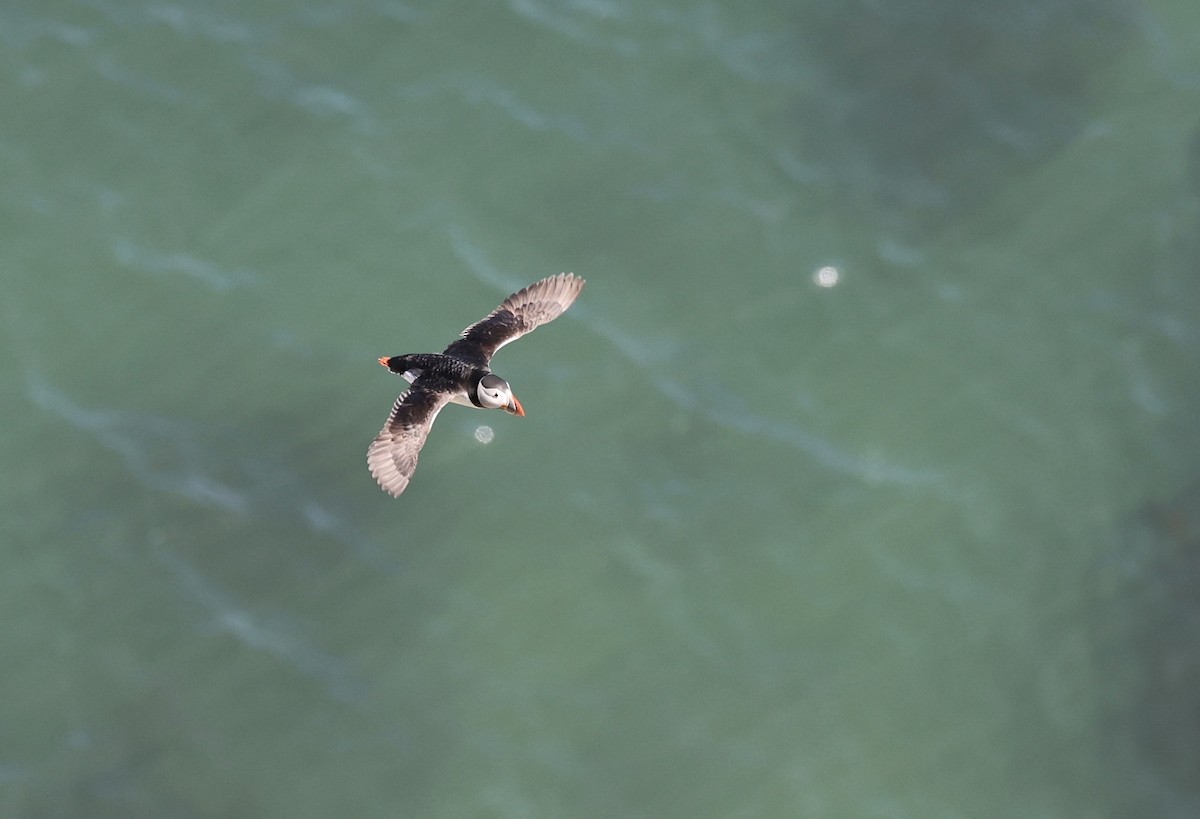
<point>392,456</point>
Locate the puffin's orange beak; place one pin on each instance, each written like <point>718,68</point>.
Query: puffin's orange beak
<point>515,407</point>
<point>383,359</point>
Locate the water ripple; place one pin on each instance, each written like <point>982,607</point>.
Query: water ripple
<point>269,632</point>
<point>168,455</point>
<point>131,254</point>
<point>160,453</point>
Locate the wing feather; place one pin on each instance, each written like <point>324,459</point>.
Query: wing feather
<point>392,456</point>
<point>517,315</point>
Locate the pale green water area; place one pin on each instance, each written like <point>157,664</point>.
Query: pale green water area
<point>923,543</point>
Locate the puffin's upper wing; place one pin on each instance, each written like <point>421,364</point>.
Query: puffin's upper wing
<point>392,456</point>
<point>517,315</point>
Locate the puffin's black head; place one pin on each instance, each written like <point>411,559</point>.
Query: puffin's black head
<point>493,392</point>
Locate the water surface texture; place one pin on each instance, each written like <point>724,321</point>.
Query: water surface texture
<point>862,481</point>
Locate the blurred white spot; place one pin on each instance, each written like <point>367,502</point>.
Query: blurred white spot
<point>826,276</point>
<point>484,434</point>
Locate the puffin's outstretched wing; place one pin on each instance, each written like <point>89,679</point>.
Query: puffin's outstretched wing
<point>392,456</point>
<point>517,315</point>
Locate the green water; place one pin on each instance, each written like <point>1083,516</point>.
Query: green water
<point>920,544</point>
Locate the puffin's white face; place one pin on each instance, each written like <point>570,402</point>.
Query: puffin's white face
<point>494,393</point>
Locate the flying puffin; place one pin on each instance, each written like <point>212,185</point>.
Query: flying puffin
<point>460,375</point>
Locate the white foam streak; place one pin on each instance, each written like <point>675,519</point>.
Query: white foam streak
<point>216,278</point>
<point>263,632</point>
<point>666,588</point>
<point>167,455</point>
<point>160,453</point>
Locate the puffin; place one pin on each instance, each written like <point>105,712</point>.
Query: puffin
<point>460,374</point>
